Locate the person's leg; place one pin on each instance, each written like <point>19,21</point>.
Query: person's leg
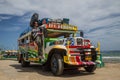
<point>39,43</point>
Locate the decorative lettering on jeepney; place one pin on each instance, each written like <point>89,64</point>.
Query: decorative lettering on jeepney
<point>61,26</point>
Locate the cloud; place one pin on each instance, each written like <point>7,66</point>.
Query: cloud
<point>79,11</point>
<point>112,30</point>
<point>113,15</point>
<point>100,19</point>
<point>11,29</point>
<point>4,17</point>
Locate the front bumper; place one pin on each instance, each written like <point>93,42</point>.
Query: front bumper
<point>76,60</point>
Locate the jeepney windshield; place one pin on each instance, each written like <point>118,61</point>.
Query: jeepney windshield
<point>60,33</point>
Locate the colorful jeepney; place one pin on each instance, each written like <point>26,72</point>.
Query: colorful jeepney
<point>62,49</point>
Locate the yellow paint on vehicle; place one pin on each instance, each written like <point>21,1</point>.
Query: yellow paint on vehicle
<point>33,59</point>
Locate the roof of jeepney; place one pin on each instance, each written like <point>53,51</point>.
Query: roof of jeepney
<point>54,30</point>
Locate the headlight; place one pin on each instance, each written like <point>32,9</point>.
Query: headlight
<point>86,42</point>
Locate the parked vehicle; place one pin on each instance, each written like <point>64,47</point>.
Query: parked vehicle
<point>62,48</point>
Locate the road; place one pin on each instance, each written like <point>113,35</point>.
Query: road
<point>12,70</point>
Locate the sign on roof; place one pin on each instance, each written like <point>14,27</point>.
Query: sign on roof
<point>61,27</point>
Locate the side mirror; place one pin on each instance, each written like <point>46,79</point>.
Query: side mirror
<point>81,34</point>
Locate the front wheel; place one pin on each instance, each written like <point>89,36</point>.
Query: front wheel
<point>91,68</point>
<point>57,65</point>
<point>24,63</point>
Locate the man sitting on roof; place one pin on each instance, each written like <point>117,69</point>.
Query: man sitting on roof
<point>37,33</point>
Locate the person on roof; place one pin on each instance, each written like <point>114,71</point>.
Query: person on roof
<point>37,33</point>
<point>37,37</point>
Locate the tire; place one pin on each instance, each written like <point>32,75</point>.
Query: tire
<point>57,65</point>
<point>19,61</point>
<point>24,63</point>
<point>19,58</point>
<point>94,55</point>
<point>90,68</point>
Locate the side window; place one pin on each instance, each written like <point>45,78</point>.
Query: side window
<point>27,39</point>
<point>51,43</point>
<point>22,41</point>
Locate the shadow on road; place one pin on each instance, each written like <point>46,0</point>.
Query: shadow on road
<point>36,68</point>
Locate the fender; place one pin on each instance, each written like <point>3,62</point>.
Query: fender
<point>56,48</point>
<point>60,47</point>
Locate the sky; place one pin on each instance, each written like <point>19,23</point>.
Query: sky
<point>99,19</point>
